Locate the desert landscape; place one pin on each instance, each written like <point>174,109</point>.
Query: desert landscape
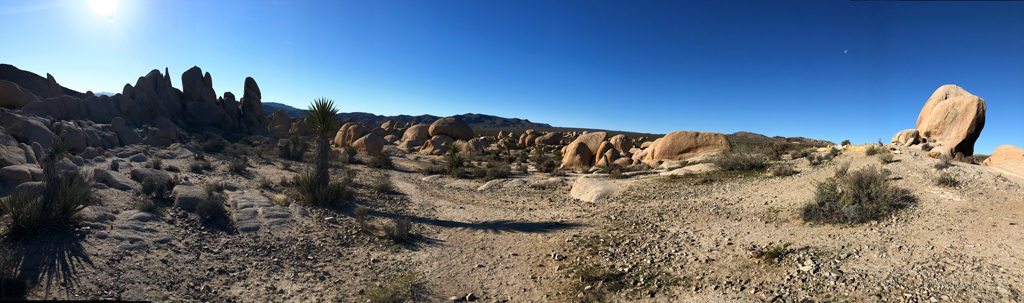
<point>511,151</point>
<point>162,194</point>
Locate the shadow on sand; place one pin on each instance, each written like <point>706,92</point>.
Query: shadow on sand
<point>51,261</point>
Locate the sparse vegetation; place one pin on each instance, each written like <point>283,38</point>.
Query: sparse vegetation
<point>212,207</point>
<point>362,215</point>
<point>856,197</point>
<point>736,161</point>
<point>239,166</point>
<point>383,184</point>
<point>403,287</point>
<point>115,165</point>
<point>313,193</point>
<point>399,231</point>
<point>454,162</point>
<point>886,158</point>
<point>157,189</point>
<point>199,166</point>
<point>944,162</point>
<point>380,160</point>
<point>873,150</point>
<point>947,180</point>
<point>213,144</point>
<point>497,170</point>
<point>845,143</point>
<point>773,253</point>
<point>782,170</point>
<point>350,154</point>
<point>322,119</point>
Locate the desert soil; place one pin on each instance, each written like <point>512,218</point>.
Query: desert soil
<point>526,239</point>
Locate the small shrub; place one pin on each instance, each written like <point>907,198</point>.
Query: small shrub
<point>404,287</point>
<point>146,205</point>
<point>886,158</point>
<point>873,150</point>
<point>947,180</point>
<point>399,231</point>
<point>856,197</point>
<point>773,253</point>
<point>214,144</point>
<point>239,166</point>
<point>199,166</point>
<point>380,160</point>
<point>383,184</point>
<point>735,161</point>
<point>313,194</point>
<point>432,170</point>
<point>362,215</point>
<point>497,170</point>
<point>804,153</point>
<point>212,208</point>
<point>64,194</point>
<point>547,165</point>
<point>155,163</point>
<point>845,143</point>
<point>782,170</point>
<point>926,147</point>
<point>927,134</point>
<point>157,189</point>
<point>115,165</point>
<point>265,183</point>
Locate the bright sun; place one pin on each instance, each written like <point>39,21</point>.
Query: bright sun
<point>104,8</point>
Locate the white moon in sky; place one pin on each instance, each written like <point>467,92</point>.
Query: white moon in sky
<point>104,8</point>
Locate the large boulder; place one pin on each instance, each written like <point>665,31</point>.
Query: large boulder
<point>952,117</point>
<point>906,137</point>
<point>683,145</point>
<point>126,135</point>
<point>451,127</point>
<point>13,96</point>
<point>416,134</point>
<point>622,143</point>
<point>592,140</point>
<point>470,148</point>
<point>437,145</point>
<point>349,133</point>
<point>549,139</point>
<point>1004,153</point>
<point>577,156</point>
<point>27,129</point>
<point>279,124</point>
<point>370,144</point>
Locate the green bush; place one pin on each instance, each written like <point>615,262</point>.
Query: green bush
<point>856,197</point>
<point>735,161</point>
<point>350,154</point>
<point>845,143</point>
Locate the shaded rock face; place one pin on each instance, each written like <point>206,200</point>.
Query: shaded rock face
<point>13,96</point>
<point>683,145</point>
<point>349,133</point>
<point>151,100</point>
<point>37,85</point>
<point>952,117</point>
<point>451,127</point>
<point>549,139</point>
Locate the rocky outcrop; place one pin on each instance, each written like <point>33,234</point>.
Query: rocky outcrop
<point>683,145</point>
<point>549,139</point>
<point>592,140</point>
<point>349,133</point>
<point>251,105</point>
<point>1007,158</point>
<point>370,144</point>
<point>906,137</point>
<point>952,117</point>
<point>622,143</point>
<point>278,124</point>
<point>451,127</point>
<point>13,96</point>
<point>437,145</point>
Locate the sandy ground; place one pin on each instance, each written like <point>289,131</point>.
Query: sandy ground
<point>526,239</point>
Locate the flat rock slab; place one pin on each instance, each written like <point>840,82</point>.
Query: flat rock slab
<point>114,179</point>
<point>137,230</point>
<point>501,183</point>
<point>593,189</point>
<point>252,212</point>
<point>692,169</point>
<point>140,174</point>
<point>187,197</point>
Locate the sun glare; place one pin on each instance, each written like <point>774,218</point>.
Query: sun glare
<point>104,8</point>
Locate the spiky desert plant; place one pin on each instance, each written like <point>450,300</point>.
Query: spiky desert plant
<point>63,195</point>
<point>324,123</point>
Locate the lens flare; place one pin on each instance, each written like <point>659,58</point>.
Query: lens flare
<point>104,8</point>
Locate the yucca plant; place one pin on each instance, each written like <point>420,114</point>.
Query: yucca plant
<point>63,195</point>
<point>324,123</point>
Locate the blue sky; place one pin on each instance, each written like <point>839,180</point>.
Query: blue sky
<point>823,69</point>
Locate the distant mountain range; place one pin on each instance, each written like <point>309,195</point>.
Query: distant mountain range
<point>476,121</point>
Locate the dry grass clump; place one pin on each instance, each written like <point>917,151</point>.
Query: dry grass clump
<point>157,189</point>
<point>402,287</point>
<point>947,180</point>
<point>773,253</point>
<point>212,208</point>
<point>856,197</point>
<point>399,231</point>
<point>199,166</point>
<point>886,158</point>
<point>350,154</point>
<point>362,215</point>
<point>154,163</point>
<point>874,150</point>
<point>593,283</point>
<point>239,166</point>
<point>380,160</point>
<point>214,144</point>
<point>782,170</point>
<point>945,161</point>
<point>497,170</point>
<point>735,161</point>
